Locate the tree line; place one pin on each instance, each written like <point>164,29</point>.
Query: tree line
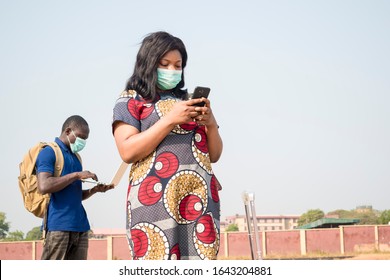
<point>365,215</point>
<point>6,235</point>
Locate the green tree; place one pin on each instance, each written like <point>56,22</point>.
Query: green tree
<point>384,218</point>
<point>367,218</point>
<point>232,227</point>
<point>310,216</point>
<point>15,236</point>
<point>4,226</point>
<point>341,214</point>
<point>34,234</point>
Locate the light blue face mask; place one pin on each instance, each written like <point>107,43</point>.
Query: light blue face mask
<point>168,79</point>
<point>78,144</point>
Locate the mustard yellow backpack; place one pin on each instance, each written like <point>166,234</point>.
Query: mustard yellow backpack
<point>34,201</point>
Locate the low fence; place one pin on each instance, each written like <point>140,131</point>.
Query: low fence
<point>233,245</point>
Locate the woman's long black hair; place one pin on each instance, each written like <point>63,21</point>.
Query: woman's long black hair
<point>152,50</point>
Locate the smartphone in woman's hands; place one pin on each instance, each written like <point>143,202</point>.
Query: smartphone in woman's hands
<point>200,92</point>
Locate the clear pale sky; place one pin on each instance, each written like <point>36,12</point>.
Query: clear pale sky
<point>300,89</point>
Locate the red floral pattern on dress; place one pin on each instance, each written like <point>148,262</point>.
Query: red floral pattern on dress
<point>140,241</point>
<point>215,187</point>
<point>189,126</point>
<point>139,109</point>
<point>205,230</point>
<point>201,140</point>
<point>150,191</point>
<point>191,207</point>
<point>175,252</point>
<point>166,165</point>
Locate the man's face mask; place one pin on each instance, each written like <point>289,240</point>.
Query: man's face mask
<point>78,144</point>
<point>168,79</point>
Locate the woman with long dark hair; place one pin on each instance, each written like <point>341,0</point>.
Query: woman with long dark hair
<point>173,209</point>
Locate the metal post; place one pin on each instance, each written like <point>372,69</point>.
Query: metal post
<point>248,221</point>
<point>255,229</point>
<point>253,237</point>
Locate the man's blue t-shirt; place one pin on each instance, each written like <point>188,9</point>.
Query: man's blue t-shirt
<point>66,211</point>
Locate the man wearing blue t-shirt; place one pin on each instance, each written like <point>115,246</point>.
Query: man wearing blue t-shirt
<point>67,224</point>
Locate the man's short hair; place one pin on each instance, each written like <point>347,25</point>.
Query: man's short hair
<point>74,121</point>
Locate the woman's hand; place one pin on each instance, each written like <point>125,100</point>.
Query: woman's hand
<point>205,114</point>
<point>206,117</point>
<point>183,112</point>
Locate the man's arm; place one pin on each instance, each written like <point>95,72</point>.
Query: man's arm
<point>47,183</point>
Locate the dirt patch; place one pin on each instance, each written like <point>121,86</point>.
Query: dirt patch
<point>379,256</point>
<point>362,256</point>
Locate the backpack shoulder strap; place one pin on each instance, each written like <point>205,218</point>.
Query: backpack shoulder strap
<point>29,160</point>
<point>59,165</point>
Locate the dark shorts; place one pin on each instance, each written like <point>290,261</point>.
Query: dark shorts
<point>65,245</point>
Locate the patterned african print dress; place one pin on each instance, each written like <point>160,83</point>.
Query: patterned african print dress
<point>173,209</point>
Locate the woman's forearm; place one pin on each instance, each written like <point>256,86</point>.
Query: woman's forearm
<point>134,145</point>
<point>214,142</point>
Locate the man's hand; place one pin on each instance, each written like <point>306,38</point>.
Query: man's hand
<point>102,188</point>
<point>87,175</point>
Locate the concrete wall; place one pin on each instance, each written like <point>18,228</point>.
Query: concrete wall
<point>344,240</point>
<point>323,241</point>
<point>384,239</point>
<point>282,243</point>
<point>361,239</point>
